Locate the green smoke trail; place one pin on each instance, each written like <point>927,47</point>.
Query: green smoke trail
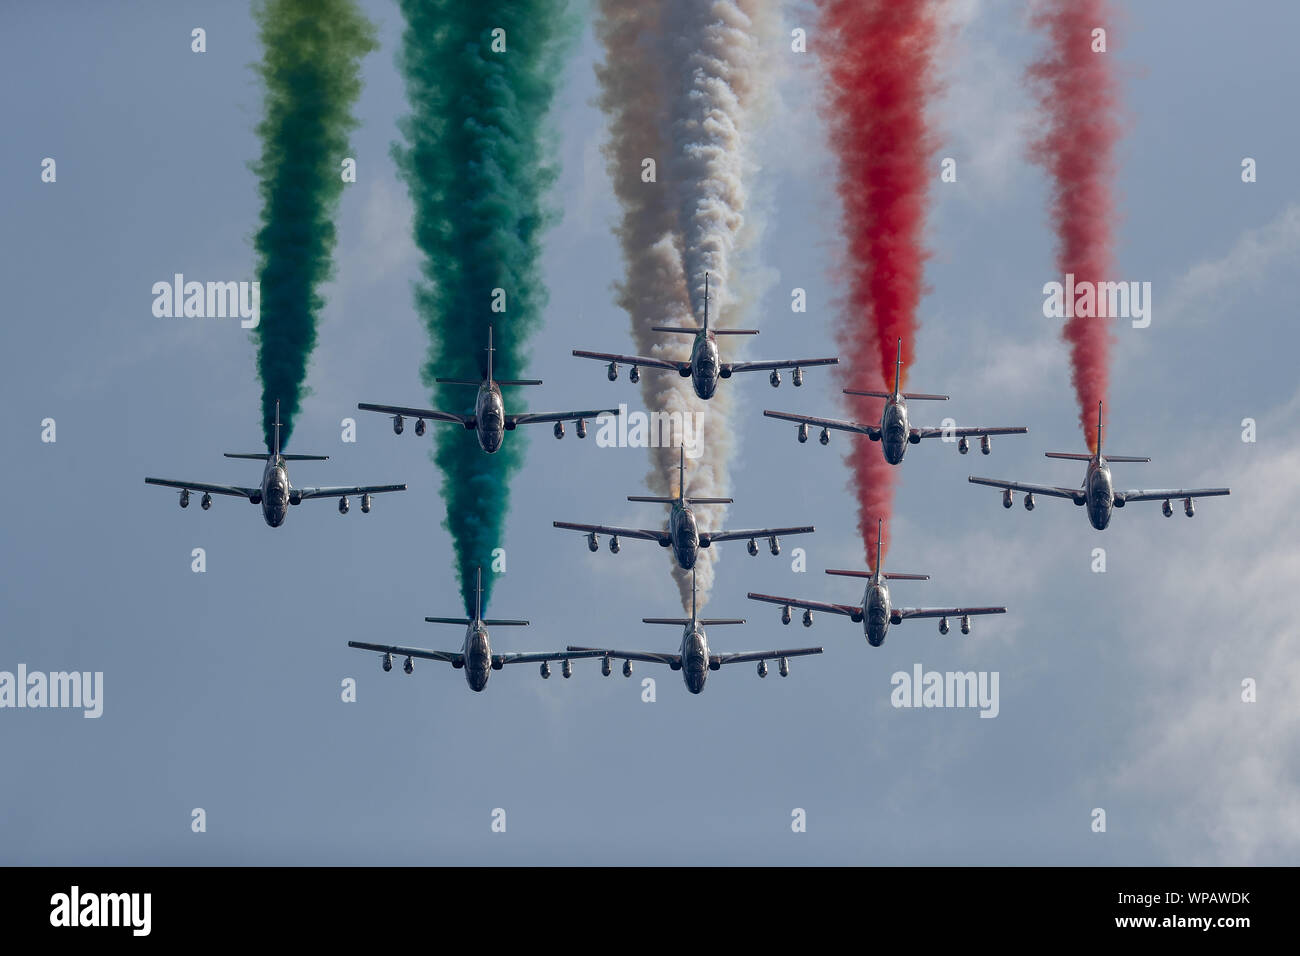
<point>311,69</point>
<point>478,161</point>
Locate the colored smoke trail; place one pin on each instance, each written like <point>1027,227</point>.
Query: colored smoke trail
<point>680,83</point>
<point>1078,96</point>
<point>878,56</point>
<point>477,163</point>
<point>311,68</point>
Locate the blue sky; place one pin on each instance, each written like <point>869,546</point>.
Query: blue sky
<point>1119,690</point>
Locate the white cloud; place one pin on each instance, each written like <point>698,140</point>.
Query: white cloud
<point>1247,263</point>
<point>1224,774</point>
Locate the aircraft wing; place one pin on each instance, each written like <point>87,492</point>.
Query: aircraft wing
<point>339,491</point>
<point>762,655</point>
<point>233,490</point>
<point>532,418</point>
<point>644,534</point>
<point>848,610</point>
<point>1159,494</point>
<point>871,430</point>
<point>778,363</point>
<point>534,657</point>
<point>906,612</point>
<point>449,657</point>
<point>672,660</point>
<point>971,431</point>
<point>715,536</point>
<point>644,361</point>
<point>1077,495</point>
<point>429,413</point>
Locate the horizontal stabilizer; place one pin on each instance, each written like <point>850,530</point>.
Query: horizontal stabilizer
<point>849,574</point>
<point>711,621</point>
<point>518,381</point>
<point>905,576</point>
<point>867,394</point>
<point>924,397</point>
<point>675,328</point>
<point>735,331</point>
<point>305,457</point>
<point>679,621</point>
<point>448,620</point>
<point>710,501</point>
<point>458,381</point>
<point>1068,455</point>
<point>502,622</point>
<point>653,499</point>
<point>255,456</point>
<point>1127,458</point>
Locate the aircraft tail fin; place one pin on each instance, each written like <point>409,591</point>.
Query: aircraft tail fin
<point>478,572</point>
<point>276,449</point>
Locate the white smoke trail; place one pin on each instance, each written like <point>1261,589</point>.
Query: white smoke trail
<point>678,83</point>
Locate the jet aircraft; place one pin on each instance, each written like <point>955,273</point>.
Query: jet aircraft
<point>877,611</point>
<point>895,432</point>
<point>693,657</point>
<point>682,534</point>
<point>489,421</point>
<point>1097,493</point>
<point>275,493</point>
<point>705,367</point>
<point>475,656</point>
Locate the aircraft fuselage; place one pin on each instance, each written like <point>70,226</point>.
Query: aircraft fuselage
<point>684,535</point>
<point>489,417</point>
<point>695,657</point>
<point>876,612</point>
<point>894,429</point>
<point>1100,493</point>
<point>478,656</point>
<point>275,491</point>
<point>706,367</point>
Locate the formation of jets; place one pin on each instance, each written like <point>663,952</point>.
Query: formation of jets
<point>876,611</point>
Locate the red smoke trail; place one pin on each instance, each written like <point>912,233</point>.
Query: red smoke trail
<point>1078,94</point>
<point>877,54</point>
